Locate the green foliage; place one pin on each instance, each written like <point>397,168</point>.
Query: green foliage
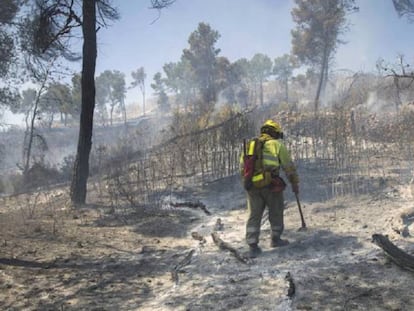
<point>283,70</point>
<point>6,53</point>
<point>232,75</point>
<point>202,57</point>
<point>404,8</point>
<point>66,167</point>
<point>8,11</point>
<point>24,105</point>
<point>260,69</point>
<point>58,99</point>
<point>160,91</point>
<point>9,97</point>
<point>180,80</point>
<point>283,67</point>
<point>139,77</point>
<point>76,92</point>
<point>319,24</point>
<point>110,89</point>
<point>240,70</point>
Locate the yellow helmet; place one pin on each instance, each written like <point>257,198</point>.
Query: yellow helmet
<point>273,126</point>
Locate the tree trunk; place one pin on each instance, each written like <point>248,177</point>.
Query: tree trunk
<point>143,99</point>
<point>50,121</point>
<point>124,110</point>
<point>29,134</point>
<point>287,90</point>
<point>261,92</point>
<point>318,91</point>
<point>111,112</point>
<point>322,78</point>
<point>398,101</point>
<point>81,167</point>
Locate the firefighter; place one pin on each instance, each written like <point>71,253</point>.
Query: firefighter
<point>274,157</point>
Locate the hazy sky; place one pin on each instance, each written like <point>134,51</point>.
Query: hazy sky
<point>143,38</point>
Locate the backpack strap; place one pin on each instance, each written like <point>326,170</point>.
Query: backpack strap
<point>258,151</point>
<point>261,142</point>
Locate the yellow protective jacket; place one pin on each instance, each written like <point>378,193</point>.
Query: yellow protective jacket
<point>275,156</point>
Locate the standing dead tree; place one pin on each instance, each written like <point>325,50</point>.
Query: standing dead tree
<point>41,73</point>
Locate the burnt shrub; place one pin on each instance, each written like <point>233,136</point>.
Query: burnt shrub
<point>40,175</point>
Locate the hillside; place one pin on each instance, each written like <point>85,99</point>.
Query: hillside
<point>95,258</point>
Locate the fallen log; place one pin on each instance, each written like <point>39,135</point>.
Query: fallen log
<point>397,255</point>
<point>226,246</point>
<point>197,204</point>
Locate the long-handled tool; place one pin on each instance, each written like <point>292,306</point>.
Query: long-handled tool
<point>303,227</point>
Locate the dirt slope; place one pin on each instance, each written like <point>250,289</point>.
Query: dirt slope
<point>97,259</point>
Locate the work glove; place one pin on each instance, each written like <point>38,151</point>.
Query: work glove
<point>295,188</point>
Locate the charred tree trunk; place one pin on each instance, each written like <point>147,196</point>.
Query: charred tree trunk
<point>81,167</point>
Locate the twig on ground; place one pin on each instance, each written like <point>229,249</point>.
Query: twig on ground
<point>197,204</point>
<point>180,265</point>
<point>223,245</point>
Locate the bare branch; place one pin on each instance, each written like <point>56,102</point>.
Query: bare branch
<point>161,4</point>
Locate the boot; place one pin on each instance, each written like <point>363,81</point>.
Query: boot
<point>254,250</point>
<point>278,242</point>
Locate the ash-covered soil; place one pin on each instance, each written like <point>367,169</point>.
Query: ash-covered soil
<point>53,257</point>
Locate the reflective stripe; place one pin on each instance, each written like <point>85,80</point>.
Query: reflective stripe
<point>271,165</point>
<point>270,157</point>
<point>251,147</point>
<point>270,160</point>
<point>257,177</point>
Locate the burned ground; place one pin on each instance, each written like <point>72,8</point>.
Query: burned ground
<point>97,258</point>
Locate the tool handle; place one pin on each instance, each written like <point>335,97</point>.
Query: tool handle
<point>300,211</point>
